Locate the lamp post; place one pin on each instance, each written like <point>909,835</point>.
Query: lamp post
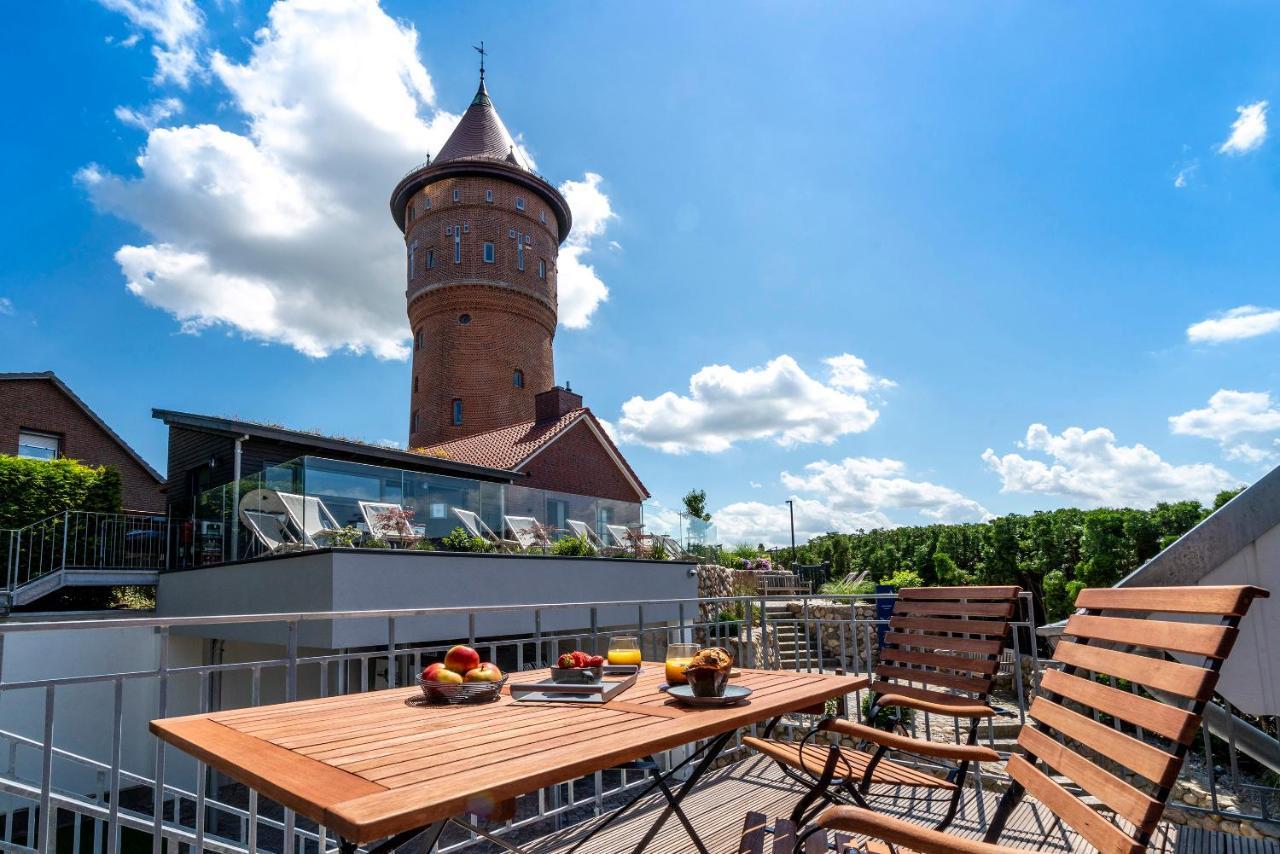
<point>791,509</point>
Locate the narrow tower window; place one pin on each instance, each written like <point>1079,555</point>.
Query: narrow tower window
<point>431,258</point>
<point>413,251</point>
<point>488,196</point>
<point>542,217</point>
<point>488,253</point>
<point>408,211</point>
<point>517,378</point>
<point>457,244</point>
<point>519,203</point>
<point>457,410</point>
<point>464,319</point>
<point>417,342</point>
<point>415,383</point>
<point>457,194</point>
<point>542,269</point>
<point>426,203</point>
<point>413,421</point>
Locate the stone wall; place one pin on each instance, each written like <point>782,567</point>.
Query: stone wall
<point>838,634</point>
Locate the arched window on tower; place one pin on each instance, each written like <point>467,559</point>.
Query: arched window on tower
<point>542,269</point>
<point>517,378</point>
<point>413,251</point>
<point>415,383</point>
<point>457,410</point>
<point>413,421</point>
<point>417,340</point>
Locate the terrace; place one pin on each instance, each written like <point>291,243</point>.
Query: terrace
<point>84,774</point>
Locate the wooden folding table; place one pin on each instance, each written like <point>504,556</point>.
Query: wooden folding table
<point>381,764</point>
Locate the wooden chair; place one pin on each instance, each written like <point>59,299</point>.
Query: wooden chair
<point>1147,734</point>
<point>940,656</point>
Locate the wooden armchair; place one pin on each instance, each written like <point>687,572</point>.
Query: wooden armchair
<point>940,656</point>
<point>1129,763</point>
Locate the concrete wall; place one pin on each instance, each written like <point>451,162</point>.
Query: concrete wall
<point>356,580</point>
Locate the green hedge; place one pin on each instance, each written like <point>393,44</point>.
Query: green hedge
<point>31,490</point>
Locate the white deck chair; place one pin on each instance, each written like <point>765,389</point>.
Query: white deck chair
<point>381,528</point>
<point>618,533</point>
<point>309,515</point>
<point>669,544</point>
<point>271,531</point>
<point>476,527</point>
<point>582,529</point>
<point>525,530</point>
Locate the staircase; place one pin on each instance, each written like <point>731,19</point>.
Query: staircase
<point>797,649</point>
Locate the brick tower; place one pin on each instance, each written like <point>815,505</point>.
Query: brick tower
<point>482,233</point>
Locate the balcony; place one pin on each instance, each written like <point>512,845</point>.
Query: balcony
<point>82,769</point>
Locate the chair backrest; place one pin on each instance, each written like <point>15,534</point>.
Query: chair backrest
<point>618,533</point>
<point>945,642</point>
<point>524,529</point>
<point>475,525</point>
<point>267,527</point>
<point>374,513</point>
<point>582,529</point>
<point>1130,761</point>
<point>308,514</point>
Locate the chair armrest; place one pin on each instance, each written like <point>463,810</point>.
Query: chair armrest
<point>907,744</point>
<point>909,836</point>
<point>960,710</point>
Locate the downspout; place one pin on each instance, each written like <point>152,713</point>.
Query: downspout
<point>235,500</point>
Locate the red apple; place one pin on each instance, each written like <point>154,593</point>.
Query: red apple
<point>431,673</point>
<point>484,673</point>
<point>446,675</point>
<point>461,658</point>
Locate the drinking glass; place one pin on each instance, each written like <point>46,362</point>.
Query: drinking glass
<point>678,657</point>
<point>624,650</point>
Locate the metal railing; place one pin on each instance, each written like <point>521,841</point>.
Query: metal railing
<point>51,793</point>
<point>80,539</point>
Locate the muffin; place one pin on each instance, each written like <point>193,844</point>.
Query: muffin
<point>708,672</point>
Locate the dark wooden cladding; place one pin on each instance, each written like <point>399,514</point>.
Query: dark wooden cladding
<point>1185,680</point>
<point>1196,638</point>
<point>1216,600</point>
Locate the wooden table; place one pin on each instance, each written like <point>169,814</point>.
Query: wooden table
<point>373,765</point>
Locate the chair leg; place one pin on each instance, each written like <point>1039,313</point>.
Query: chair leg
<point>819,789</point>
<point>955,797</point>
<point>865,785</point>
<point>1010,800</point>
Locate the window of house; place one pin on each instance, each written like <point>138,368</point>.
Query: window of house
<point>519,203</point>
<point>413,251</point>
<point>426,203</point>
<point>542,217</point>
<point>431,258</point>
<point>457,410</point>
<point>408,211</point>
<point>464,319</point>
<point>417,340</point>
<point>557,512</point>
<point>457,194</point>
<point>517,378</point>
<point>542,269</point>
<point>488,253</point>
<point>38,446</point>
<point>488,196</point>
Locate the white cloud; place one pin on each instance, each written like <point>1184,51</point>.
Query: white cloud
<point>861,485</point>
<point>6,305</point>
<point>1229,415</point>
<point>756,522</point>
<point>152,115</point>
<point>778,401</point>
<point>281,231</point>
<point>1185,173</point>
<point>177,27</point>
<point>1246,321</point>
<point>580,287</point>
<point>1089,467</point>
<point>1251,454</point>
<point>1248,131</point>
<point>755,484</point>
<point>848,371</point>
<point>661,519</point>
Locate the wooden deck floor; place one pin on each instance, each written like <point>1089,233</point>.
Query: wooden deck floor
<point>721,801</point>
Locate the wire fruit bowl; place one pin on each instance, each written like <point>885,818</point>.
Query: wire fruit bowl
<point>461,692</point>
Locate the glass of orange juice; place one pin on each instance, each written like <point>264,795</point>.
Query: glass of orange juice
<point>678,657</point>
<point>624,650</point>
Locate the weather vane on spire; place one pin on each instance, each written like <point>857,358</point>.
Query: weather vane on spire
<point>483,53</point>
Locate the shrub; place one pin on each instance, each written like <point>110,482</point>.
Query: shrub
<point>133,598</point>
<point>31,490</point>
<point>886,717</point>
<point>423,545</point>
<point>458,540</point>
<point>344,538</point>
<point>840,588</point>
<point>658,552</point>
<point>375,543</point>
<point>573,547</point>
<point>904,578</point>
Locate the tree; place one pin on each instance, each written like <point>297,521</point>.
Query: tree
<point>695,504</point>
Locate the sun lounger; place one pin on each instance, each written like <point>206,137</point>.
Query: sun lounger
<point>385,522</point>
<point>475,526</point>
<point>527,531</point>
<point>271,531</point>
<point>308,515</point>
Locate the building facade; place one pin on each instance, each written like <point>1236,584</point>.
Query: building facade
<point>41,417</point>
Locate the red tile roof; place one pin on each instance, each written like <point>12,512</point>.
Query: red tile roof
<point>510,447</point>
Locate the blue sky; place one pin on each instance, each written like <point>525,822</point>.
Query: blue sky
<point>908,234</point>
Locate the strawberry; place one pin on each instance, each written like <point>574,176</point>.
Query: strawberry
<point>580,659</point>
<point>596,661</point>
<point>567,660</point>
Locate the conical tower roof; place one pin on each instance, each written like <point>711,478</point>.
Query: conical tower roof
<point>481,135</point>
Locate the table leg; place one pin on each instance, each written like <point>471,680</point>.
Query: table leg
<point>673,805</point>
